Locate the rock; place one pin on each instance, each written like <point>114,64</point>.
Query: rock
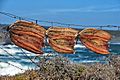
<point>4,38</point>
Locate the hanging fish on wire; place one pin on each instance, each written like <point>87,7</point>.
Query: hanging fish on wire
<point>56,31</point>
<point>31,36</point>
<point>28,35</point>
<point>61,39</point>
<point>95,40</point>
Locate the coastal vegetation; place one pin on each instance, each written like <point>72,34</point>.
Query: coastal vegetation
<point>60,68</point>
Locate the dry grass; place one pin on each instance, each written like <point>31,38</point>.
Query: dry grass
<point>60,68</point>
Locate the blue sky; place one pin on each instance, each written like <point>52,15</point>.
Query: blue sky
<point>85,12</point>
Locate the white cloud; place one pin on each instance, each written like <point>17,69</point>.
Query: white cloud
<point>108,8</point>
<point>86,9</point>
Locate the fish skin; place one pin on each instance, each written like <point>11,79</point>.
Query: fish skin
<point>95,40</point>
<point>60,49</point>
<point>62,34</point>
<point>25,45</point>
<point>28,35</point>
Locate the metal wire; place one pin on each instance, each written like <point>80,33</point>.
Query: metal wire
<point>12,57</point>
<point>29,58</point>
<point>18,58</point>
<point>13,65</point>
<point>52,22</point>
<point>10,54</point>
<point>36,21</point>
